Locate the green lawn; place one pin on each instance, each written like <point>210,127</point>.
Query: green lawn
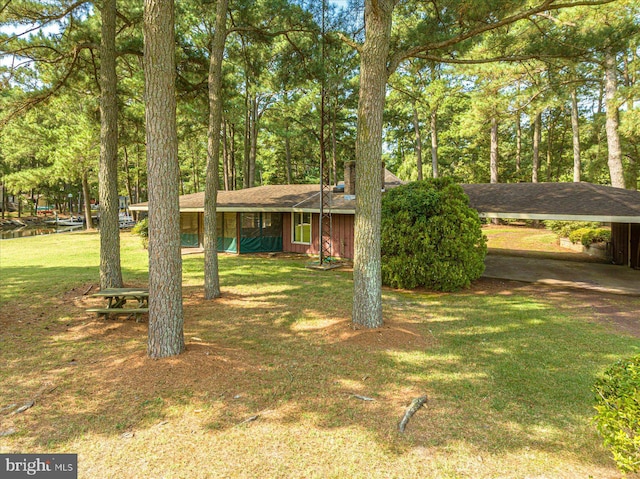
<point>508,371</point>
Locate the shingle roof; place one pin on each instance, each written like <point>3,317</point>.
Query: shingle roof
<point>262,198</point>
<point>559,201</point>
<point>551,201</point>
<point>273,198</point>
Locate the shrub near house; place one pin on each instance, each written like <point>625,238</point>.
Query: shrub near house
<point>587,236</point>
<point>618,412</point>
<point>431,237</point>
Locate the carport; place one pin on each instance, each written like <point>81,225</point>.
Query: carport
<point>566,202</point>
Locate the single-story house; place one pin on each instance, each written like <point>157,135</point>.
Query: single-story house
<point>285,218</point>
<point>273,218</point>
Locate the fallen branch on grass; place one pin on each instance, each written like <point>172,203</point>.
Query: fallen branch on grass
<point>249,419</point>
<point>416,404</point>
<point>363,398</point>
<point>23,408</point>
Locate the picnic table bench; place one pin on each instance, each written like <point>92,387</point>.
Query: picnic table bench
<point>117,299</point>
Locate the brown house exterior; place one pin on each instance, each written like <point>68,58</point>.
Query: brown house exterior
<point>285,218</point>
<point>272,218</point>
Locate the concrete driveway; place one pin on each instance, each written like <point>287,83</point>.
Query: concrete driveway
<point>592,276</point>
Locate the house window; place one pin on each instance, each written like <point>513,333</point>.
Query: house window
<point>302,228</point>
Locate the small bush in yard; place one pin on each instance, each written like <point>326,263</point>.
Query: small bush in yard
<point>430,237</point>
<point>586,236</point>
<point>618,412</point>
<point>142,229</point>
<point>564,228</point>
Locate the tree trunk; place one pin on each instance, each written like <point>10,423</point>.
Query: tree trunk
<point>138,186</point>
<point>550,131</point>
<point>334,148</point>
<point>434,143</point>
<point>537,133</point>
<point>518,141</point>
<point>127,175</point>
<point>253,152</point>
<point>418,139</point>
<point>4,200</point>
<point>166,336</point>
<point>287,153</point>
<point>194,172</point>
<point>613,138</point>
<point>367,278</point>
<point>211,278</point>
<point>494,150</point>
<point>575,128</point>
<point>225,157</point>
<point>247,137</point>
<point>110,270</point>
<point>86,195</point>
<point>232,157</point>
<point>633,171</point>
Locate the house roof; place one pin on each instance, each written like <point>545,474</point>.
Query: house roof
<point>534,201</point>
<point>274,198</point>
<point>555,201</point>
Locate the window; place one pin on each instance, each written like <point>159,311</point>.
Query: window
<point>189,229</point>
<point>250,225</point>
<point>302,228</point>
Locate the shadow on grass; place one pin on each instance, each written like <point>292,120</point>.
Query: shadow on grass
<point>46,283</point>
<point>502,372</point>
<point>554,255</point>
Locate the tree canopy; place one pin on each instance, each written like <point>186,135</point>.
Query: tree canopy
<point>476,91</point>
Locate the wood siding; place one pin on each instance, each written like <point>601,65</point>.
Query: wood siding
<point>342,236</point>
<point>625,247</point>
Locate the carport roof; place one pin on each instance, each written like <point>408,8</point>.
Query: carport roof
<point>555,201</point>
<point>533,201</point>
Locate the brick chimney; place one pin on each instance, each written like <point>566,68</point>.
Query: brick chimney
<point>350,177</point>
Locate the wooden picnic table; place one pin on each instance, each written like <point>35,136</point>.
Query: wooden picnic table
<point>117,299</point>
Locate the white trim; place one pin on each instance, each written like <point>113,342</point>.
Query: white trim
<point>293,228</point>
<point>246,209</point>
<point>538,216</point>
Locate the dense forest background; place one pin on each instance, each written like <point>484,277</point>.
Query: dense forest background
<point>550,98</point>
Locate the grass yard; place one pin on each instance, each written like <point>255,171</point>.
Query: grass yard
<point>268,385</point>
<point>512,240</point>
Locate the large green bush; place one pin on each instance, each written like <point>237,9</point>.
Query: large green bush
<point>430,237</point>
<point>618,412</point>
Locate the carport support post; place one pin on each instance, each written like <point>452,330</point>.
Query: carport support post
<point>629,245</point>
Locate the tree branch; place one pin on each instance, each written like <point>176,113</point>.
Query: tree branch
<point>36,17</point>
<point>355,45</point>
<point>35,100</point>
<point>547,5</point>
<point>478,61</point>
<point>5,6</point>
